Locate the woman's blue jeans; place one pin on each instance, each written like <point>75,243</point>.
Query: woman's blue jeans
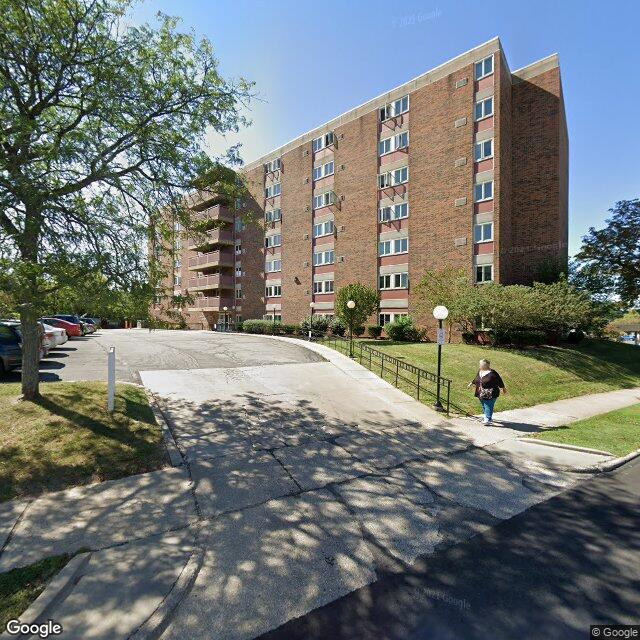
<point>487,407</point>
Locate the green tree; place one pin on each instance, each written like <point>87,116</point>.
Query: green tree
<point>367,300</point>
<point>102,131</point>
<point>608,263</point>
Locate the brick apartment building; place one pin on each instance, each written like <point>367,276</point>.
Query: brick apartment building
<point>465,166</point>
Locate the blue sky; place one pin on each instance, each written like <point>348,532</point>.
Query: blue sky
<point>312,61</point>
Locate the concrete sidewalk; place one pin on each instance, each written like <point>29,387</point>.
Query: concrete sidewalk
<point>306,480</point>
<point>562,412</point>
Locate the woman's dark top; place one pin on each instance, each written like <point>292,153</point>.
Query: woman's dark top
<point>491,380</point>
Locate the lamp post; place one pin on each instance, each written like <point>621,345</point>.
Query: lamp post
<point>225,309</point>
<point>439,313</point>
<point>311,305</point>
<point>351,305</point>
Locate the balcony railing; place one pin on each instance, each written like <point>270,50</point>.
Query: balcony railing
<point>217,212</point>
<point>215,281</point>
<point>213,236</point>
<point>212,259</point>
<point>214,303</point>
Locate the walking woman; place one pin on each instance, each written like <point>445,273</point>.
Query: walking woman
<point>488,384</point>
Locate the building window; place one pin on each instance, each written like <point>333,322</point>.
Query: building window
<point>484,273</point>
<point>394,212</point>
<point>393,178</point>
<point>395,108</point>
<point>393,247</point>
<point>273,190</point>
<point>275,215</point>
<point>323,141</point>
<point>483,191</point>
<point>238,247</point>
<point>238,293</point>
<point>483,150</point>
<point>484,67</point>
<point>484,108</point>
<point>239,224</point>
<point>238,270</point>
<point>325,286</point>
<point>177,280</point>
<point>274,165</point>
<point>394,281</point>
<point>385,318</point>
<point>273,291</point>
<point>271,266</point>
<point>274,317</point>
<point>483,232</point>
<point>389,145</point>
<point>238,319</point>
<point>273,241</point>
<point>323,200</point>
<point>323,171</point>
<point>323,229</point>
<point>322,257</point>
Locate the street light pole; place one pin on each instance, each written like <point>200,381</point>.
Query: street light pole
<point>225,326</point>
<point>440,313</point>
<point>351,305</point>
<point>311,305</point>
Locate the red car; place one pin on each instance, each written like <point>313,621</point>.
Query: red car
<point>72,329</point>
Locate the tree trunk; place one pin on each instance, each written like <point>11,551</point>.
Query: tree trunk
<point>31,342</point>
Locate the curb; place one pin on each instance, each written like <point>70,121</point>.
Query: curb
<point>156,624</point>
<point>56,591</point>
<point>561,445</point>
<point>169,442</point>
<point>609,465</point>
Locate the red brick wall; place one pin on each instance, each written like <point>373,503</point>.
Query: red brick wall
<point>296,222</point>
<point>539,175</point>
<point>435,182</point>
<point>358,183</point>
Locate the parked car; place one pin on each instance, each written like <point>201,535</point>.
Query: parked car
<point>73,329</point>
<point>75,320</point>
<point>96,322</point>
<point>90,326</point>
<point>10,347</point>
<point>59,335</point>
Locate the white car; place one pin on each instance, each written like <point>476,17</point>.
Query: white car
<point>58,338</point>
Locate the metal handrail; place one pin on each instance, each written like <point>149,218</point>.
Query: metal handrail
<point>395,368</point>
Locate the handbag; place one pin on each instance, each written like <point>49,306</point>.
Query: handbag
<point>485,393</point>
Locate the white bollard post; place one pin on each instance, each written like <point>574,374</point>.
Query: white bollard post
<point>111,380</point>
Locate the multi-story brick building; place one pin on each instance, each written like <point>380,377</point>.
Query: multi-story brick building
<point>464,166</point>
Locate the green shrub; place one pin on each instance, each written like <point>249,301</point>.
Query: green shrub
<point>290,329</point>
<point>469,337</point>
<point>518,337</point>
<point>338,327</point>
<point>320,324</point>
<point>358,330</point>
<point>403,330</point>
<point>575,336</point>
<point>374,331</point>
<point>239,327</point>
<point>261,326</point>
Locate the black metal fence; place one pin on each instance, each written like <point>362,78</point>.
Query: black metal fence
<point>419,382</point>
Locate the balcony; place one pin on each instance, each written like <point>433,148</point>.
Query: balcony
<point>212,259</point>
<point>217,212</point>
<point>215,281</point>
<point>213,236</point>
<point>215,303</point>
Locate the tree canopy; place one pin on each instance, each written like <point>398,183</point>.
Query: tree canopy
<point>102,132</point>
<point>608,263</point>
<point>366,298</point>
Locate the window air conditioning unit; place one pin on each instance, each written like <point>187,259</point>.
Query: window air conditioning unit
<point>342,228</point>
<point>306,180</point>
<point>307,208</point>
<point>306,236</point>
<point>342,198</point>
<point>342,167</point>
<point>305,264</point>
<point>305,152</point>
<point>340,258</point>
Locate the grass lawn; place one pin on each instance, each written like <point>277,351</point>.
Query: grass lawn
<point>532,376</point>
<point>20,587</point>
<point>617,432</point>
<point>67,438</point>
